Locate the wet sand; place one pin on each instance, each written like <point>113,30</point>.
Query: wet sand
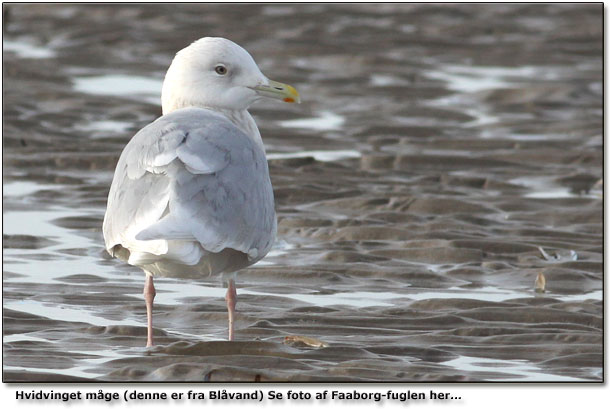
<point>443,157</point>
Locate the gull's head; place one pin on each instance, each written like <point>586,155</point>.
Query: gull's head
<point>217,73</point>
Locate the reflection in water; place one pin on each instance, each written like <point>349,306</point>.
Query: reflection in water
<point>24,188</point>
<point>480,112</point>
<point>385,80</point>
<point>112,127</point>
<point>466,80</point>
<point>518,370</point>
<point>25,49</point>
<point>494,294</point>
<point>39,223</point>
<point>67,313</point>
<point>360,299</point>
<point>144,88</point>
<point>322,156</point>
<point>474,79</point>
<point>544,187</point>
<point>327,121</point>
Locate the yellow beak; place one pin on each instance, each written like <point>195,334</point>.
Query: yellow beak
<point>277,90</point>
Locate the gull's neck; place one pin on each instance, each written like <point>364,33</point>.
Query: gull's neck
<point>244,121</point>
<point>241,118</point>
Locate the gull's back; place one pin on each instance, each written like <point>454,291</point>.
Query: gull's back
<point>191,196</point>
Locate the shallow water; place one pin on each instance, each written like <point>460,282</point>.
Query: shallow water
<point>26,50</point>
<point>127,86</point>
<point>324,122</point>
<point>434,168</point>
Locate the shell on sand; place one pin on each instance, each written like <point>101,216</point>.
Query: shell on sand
<point>540,283</point>
<point>299,340</point>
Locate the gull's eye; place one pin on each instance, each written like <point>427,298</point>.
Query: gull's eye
<point>220,70</point>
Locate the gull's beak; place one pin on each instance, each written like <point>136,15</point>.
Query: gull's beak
<point>277,90</point>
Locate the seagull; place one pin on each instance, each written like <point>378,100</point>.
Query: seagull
<point>191,195</point>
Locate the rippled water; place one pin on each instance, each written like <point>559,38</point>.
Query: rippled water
<point>443,157</point>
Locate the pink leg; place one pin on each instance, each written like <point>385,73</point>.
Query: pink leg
<point>149,296</point>
<point>231,298</point>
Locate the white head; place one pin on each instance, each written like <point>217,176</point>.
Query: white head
<point>217,73</point>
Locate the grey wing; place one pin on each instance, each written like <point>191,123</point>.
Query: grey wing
<point>191,177</point>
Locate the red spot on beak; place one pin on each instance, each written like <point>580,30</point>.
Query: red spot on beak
<point>288,99</point>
